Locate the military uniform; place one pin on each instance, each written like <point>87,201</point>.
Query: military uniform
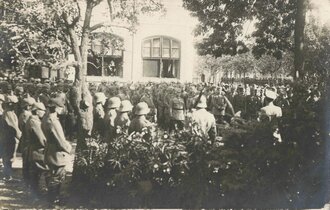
<point>36,151</point>
<point>177,110</point>
<point>57,152</point>
<point>10,138</point>
<point>138,123</point>
<point>23,118</point>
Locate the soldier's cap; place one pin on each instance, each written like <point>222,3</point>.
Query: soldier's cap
<point>38,106</point>
<point>270,94</point>
<point>202,103</point>
<point>125,106</point>
<point>142,108</point>
<point>11,99</point>
<point>55,102</point>
<point>29,101</point>
<point>113,103</point>
<point>2,97</point>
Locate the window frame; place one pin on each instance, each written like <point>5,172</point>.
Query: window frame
<point>161,58</point>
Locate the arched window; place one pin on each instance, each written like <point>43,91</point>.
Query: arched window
<point>105,55</point>
<point>161,57</point>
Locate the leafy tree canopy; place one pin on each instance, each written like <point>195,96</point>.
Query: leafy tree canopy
<point>223,20</point>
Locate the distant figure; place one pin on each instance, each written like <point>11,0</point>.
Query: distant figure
<point>177,112</point>
<point>271,113</point>
<point>218,104</point>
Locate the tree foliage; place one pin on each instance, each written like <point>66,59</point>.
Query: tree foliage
<point>279,27</point>
<point>274,25</point>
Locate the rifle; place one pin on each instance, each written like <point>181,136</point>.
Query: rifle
<point>199,97</point>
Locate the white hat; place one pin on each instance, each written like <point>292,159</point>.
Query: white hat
<point>270,94</point>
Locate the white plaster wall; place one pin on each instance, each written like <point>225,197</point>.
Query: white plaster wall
<point>175,23</point>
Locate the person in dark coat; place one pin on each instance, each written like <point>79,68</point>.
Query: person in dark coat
<point>57,149</point>
<point>22,147</point>
<point>2,100</point>
<point>10,135</point>
<point>36,146</point>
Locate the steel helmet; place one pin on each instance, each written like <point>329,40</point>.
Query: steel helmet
<point>113,103</point>
<point>125,106</point>
<point>142,108</point>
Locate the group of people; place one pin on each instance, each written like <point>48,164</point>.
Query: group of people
<point>33,129</point>
<point>34,117</point>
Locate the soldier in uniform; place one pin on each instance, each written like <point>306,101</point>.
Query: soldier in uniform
<point>253,105</point>
<point>148,98</point>
<point>2,100</point>
<point>36,146</point>
<point>57,149</point>
<point>98,125</point>
<point>239,101</point>
<point>123,120</point>
<point>10,135</point>
<point>218,104</point>
<point>177,113</point>
<point>140,121</point>
<point>111,105</point>
<point>204,121</point>
<point>22,119</point>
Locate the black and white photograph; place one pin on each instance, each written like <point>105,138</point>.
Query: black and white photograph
<point>164,104</point>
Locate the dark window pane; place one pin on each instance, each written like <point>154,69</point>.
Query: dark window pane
<point>113,66</point>
<point>151,68</point>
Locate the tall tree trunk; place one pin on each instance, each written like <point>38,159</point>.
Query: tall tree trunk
<point>299,60</point>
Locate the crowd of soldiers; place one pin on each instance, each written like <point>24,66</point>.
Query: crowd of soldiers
<point>34,117</point>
